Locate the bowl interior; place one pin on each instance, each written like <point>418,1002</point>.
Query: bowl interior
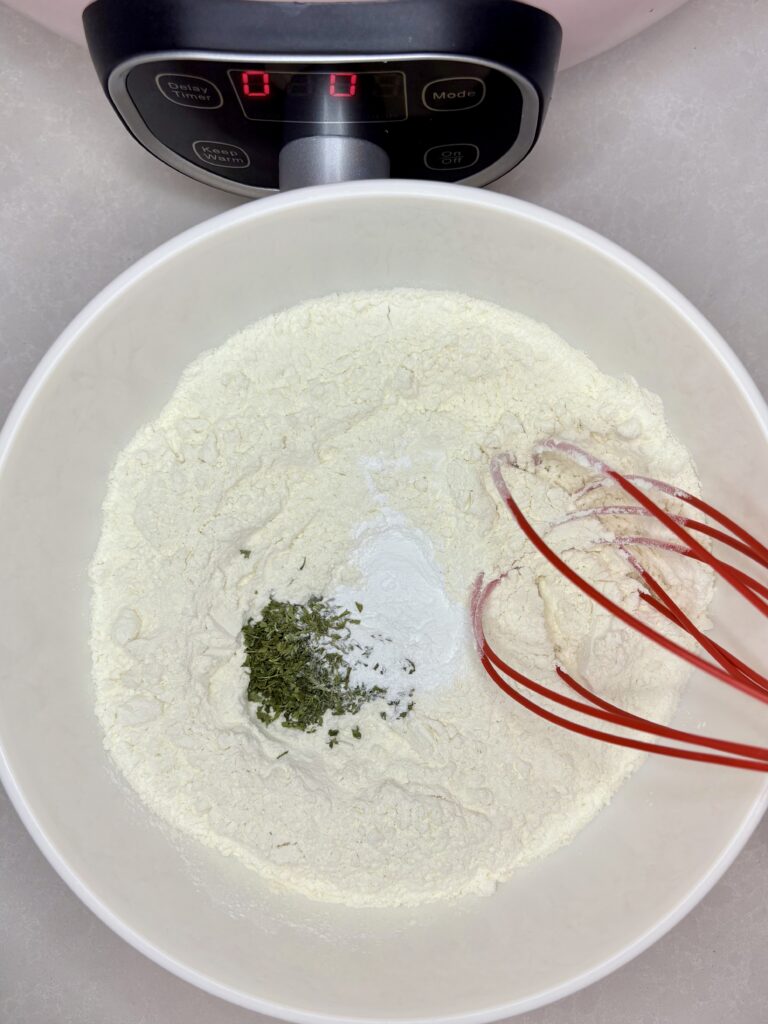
<point>554,926</point>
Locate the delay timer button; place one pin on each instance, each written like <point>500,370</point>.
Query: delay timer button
<point>453,93</point>
<point>190,91</point>
<point>221,154</point>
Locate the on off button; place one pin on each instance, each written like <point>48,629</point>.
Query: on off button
<point>453,93</point>
<point>452,157</point>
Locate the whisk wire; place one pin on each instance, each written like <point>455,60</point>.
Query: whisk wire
<point>729,669</point>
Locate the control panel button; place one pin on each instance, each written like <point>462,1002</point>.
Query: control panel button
<point>190,91</point>
<point>452,157</point>
<point>453,93</point>
<point>221,154</point>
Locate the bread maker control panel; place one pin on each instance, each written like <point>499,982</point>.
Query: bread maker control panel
<point>255,95</point>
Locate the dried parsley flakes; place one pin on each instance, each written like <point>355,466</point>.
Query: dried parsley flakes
<point>299,659</point>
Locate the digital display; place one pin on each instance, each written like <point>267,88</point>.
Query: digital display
<point>320,97</point>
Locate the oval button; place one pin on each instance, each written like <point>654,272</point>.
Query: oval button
<point>189,91</point>
<point>453,93</point>
<point>220,154</point>
<point>452,157</point>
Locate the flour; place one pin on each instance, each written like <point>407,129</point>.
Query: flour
<point>345,443</point>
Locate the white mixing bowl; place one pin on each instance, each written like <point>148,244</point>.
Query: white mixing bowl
<point>644,862</point>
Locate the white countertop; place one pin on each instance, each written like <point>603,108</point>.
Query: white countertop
<point>662,145</point>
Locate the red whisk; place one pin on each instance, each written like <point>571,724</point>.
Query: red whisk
<point>721,664</point>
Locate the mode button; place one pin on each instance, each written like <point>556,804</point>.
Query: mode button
<point>453,93</point>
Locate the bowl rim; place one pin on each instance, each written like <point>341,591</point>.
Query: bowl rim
<point>385,190</point>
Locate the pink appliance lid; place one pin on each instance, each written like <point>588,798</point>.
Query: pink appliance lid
<point>589,26</point>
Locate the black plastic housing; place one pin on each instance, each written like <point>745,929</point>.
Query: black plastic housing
<point>503,32</point>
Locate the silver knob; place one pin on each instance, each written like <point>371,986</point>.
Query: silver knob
<point>324,159</point>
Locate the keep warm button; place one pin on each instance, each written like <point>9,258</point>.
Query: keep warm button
<point>221,154</point>
<point>452,158</point>
<point>453,93</point>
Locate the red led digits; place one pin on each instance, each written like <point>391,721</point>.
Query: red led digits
<point>343,84</point>
<point>255,84</point>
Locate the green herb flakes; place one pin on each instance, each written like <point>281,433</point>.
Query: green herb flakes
<point>245,552</point>
<point>299,660</point>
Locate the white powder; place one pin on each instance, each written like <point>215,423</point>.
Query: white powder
<point>346,444</point>
<point>405,607</point>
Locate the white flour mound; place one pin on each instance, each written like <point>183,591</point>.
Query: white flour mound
<point>345,443</point>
